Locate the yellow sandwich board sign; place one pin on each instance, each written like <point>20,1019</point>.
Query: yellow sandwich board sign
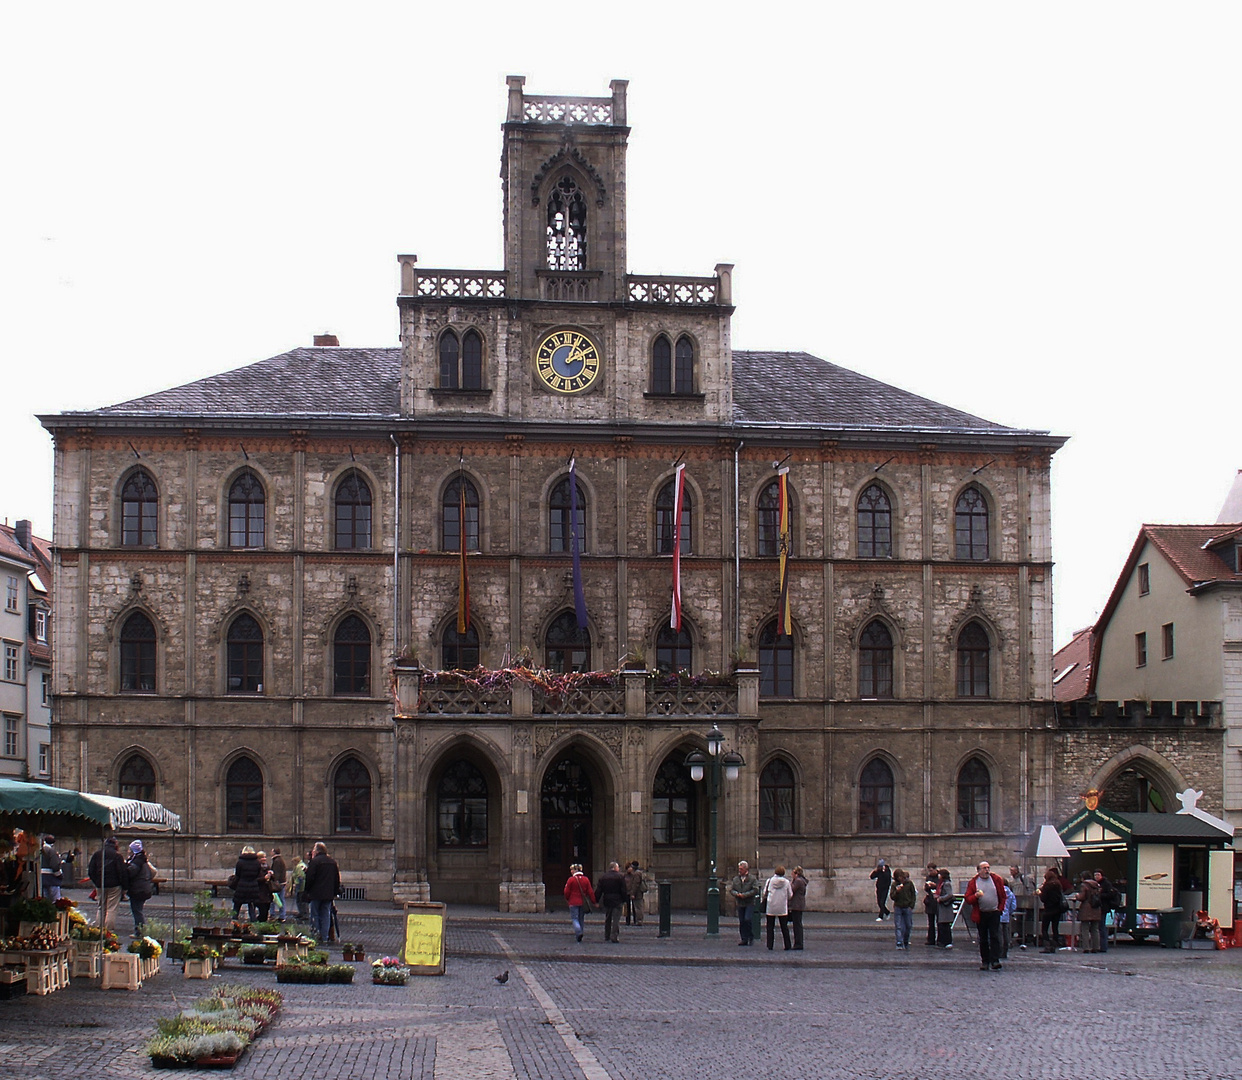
<point>423,950</point>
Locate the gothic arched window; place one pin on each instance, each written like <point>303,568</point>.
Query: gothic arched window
<point>461,807</point>
<point>683,382</point>
<point>974,652</point>
<point>672,805</point>
<point>875,662</point>
<point>768,511</point>
<point>776,663</point>
<point>461,363</point>
<point>353,513</point>
<point>559,510</point>
<point>661,366</point>
<point>351,657</point>
<point>974,796</point>
<point>971,525</point>
<point>875,797</point>
<point>567,214</point>
<point>776,797</point>
<point>351,797</point>
<point>246,512</point>
<point>664,507</point>
<point>140,504</point>
<point>450,351</point>
<point>568,648</point>
<point>451,516</point>
<point>673,650</point>
<point>245,656</point>
<point>459,652</point>
<point>137,779</point>
<point>875,524</point>
<point>243,794</point>
<point>137,654</point>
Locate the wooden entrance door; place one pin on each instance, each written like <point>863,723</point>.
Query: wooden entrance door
<point>565,805</point>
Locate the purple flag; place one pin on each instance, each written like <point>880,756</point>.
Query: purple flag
<point>579,597</point>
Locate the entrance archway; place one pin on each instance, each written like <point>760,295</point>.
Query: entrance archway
<point>566,804</point>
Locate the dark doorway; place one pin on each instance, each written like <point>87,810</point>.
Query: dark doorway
<point>565,806</point>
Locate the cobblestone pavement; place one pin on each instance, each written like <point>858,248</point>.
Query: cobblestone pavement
<point>850,1005</point>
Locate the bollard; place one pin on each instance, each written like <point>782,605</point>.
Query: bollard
<point>756,922</point>
<point>665,889</point>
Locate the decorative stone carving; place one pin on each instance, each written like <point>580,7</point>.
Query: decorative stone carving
<point>522,737</point>
<point>568,152</point>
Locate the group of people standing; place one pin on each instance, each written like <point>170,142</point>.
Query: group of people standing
<point>615,892</point>
<point>114,875</point>
<point>783,900</point>
<point>1097,896</point>
<point>314,883</point>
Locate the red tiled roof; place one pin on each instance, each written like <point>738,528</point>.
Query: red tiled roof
<point>1183,547</point>
<point>10,548</point>
<point>1071,668</point>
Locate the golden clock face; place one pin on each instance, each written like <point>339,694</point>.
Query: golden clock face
<point>567,361</point>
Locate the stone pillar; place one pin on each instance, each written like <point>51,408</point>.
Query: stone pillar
<point>409,832</point>
<point>521,886</point>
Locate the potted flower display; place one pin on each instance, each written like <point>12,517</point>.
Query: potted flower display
<point>352,951</point>
<point>389,971</point>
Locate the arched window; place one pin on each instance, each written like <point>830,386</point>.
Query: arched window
<point>672,805</point>
<point>246,505</point>
<point>974,796</point>
<point>559,512</point>
<point>684,375</point>
<point>140,504</point>
<point>567,214</point>
<point>568,648</point>
<point>137,779</point>
<point>137,654</point>
<point>971,519</point>
<point>875,797</point>
<point>468,374</point>
<point>351,657</point>
<point>1133,791</point>
<point>973,657</point>
<point>459,652</point>
<point>351,797</point>
<point>776,657</point>
<point>674,650</point>
<point>353,513</point>
<point>461,807</point>
<point>243,793</point>
<point>875,662</point>
<point>245,656</point>
<point>661,366</point>
<point>776,797</point>
<point>769,521</point>
<point>450,350</point>
<point>875,524</point>
<point>451,515</point>
<point>665,502</point>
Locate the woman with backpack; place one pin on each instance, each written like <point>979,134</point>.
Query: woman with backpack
<point>140,876</point>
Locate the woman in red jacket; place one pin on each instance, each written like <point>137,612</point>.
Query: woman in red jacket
<point>577,892</point>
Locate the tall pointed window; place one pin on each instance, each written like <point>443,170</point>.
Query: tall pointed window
<point>461,361</point>
<point>351,797</point>
<point>875,797</point>
<point>672,805</point>
<point>661,366</point>
<point>776,797</point>
<point>875,662</point>
<point>971,525</point>
<point>776,657</point>
<point>673,650</point>
<point>353,513</point>
<point>450,353</point>
<point>974,796</point>
<point>137,654</point>
<point>559,510</point>
<point>139,511</point>
<point>137,779</point>
<point>243,797</point>
<point>875,524</point>
<point>245,656</point>
<point>450,507</point>
<point>683,381</point>
<point>974,652</point>
<point>459,652</point>
<point>351,657</point>
<point>768,511</point>
<point>461,807</point>
<point>246,508</point>
<point>665,501</point>
<point>567,214</point>
<point>568,648</point>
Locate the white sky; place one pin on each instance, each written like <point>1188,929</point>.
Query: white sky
<point>1027,211</point>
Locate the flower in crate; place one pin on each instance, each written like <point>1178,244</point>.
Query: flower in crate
<point>389,970</point>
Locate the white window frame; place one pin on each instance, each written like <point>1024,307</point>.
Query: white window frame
<point>12,736</point>
<point>12,661</point>
<point>11,595</point>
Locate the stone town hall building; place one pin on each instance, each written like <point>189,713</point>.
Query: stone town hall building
<point>240,559</point>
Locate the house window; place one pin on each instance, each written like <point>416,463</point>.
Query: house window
<point>137,779</point>
<point>454,511</point>
<point>40,621</point>
<point>351,794</point>
<point>1144,579</point>
<point>776,657</point>
<point>875,662</point>
<point>776,797</point>
<point>461,807</point>
<point>137,654</point>
<point>1166,638</point>
<point>971,518</point>
<point>1140,650</point>
<point>568,648</point>
<point>974,797</point>
<point>351,657</point>
<point>875,797</point>
<point>12,654</point>
<point>559,514</point>
<point>875,524</point>
<point>12,733</point>
<point>567,213</point>
<point>673,650</point>
<point>243,793</point>
<point>353,513</point>
<point>245,656</point>
<point>769,521</point>
<point>672,805</point>
<point>459,652</point>
<point>461,363</point>
<point>665,505</point>
<point>46,679</point>
<point>45,758</point>
<point>10,594</point>
<point>246,512</point>
<point>139,511</point>
<point>973,661</point>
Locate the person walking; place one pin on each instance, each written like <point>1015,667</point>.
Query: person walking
<point>635,890</point>
<point>883,878</point>
<point>931,882</point>
<point>107,873</point>
<point>51,870</point>
<point>578,892</point>
<point>944,908</point>
<point>1090,915</point>
<point>744,888</point>
<point>323,882</point>
<point>245,883</point>
<point>986,896</point>
<point>1052,904</point>
<point>280,874</point>
<point>611,892</point>
<point>797,904</point>
<point>140,875</point>
<point>903,896</point>
<point>776,894</point>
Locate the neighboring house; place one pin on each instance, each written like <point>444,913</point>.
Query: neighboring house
<point>25,636</point>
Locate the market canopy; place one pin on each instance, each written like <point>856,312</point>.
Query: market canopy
<point>1046,844</point>
<point>49,809</point>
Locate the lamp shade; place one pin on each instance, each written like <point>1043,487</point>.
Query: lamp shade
<point>715,740</point>
<point>695,760</point>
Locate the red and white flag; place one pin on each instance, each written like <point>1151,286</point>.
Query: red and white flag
<point>679,483</point>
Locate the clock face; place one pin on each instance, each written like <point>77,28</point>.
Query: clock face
<point>567,361</point>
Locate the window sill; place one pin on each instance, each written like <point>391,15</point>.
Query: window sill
<point>448,393</point>
<point>652,395</point>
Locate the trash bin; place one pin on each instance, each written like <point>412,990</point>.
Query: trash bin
<point>1170,920</point>
<point>664,890</point>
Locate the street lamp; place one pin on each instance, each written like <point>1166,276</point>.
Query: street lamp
<point>731,763</point>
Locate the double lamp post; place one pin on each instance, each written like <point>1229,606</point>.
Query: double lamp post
<point>712,764</point>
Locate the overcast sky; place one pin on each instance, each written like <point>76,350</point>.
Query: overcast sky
<point>1027,211</point>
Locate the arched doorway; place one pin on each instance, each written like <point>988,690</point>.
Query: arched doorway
<point>566,803</point>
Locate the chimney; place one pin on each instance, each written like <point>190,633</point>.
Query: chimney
<point>21,533</point>
<point>325,339</point>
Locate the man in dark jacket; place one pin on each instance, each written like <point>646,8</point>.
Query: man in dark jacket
<point>279,874</point>
<point>246,888</point>
<point>883,878</point>
<point>611,893</point>
<point>1110,898</point>
<point>107,873</point>
<point>744,888</point>
<point>323,882</point>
